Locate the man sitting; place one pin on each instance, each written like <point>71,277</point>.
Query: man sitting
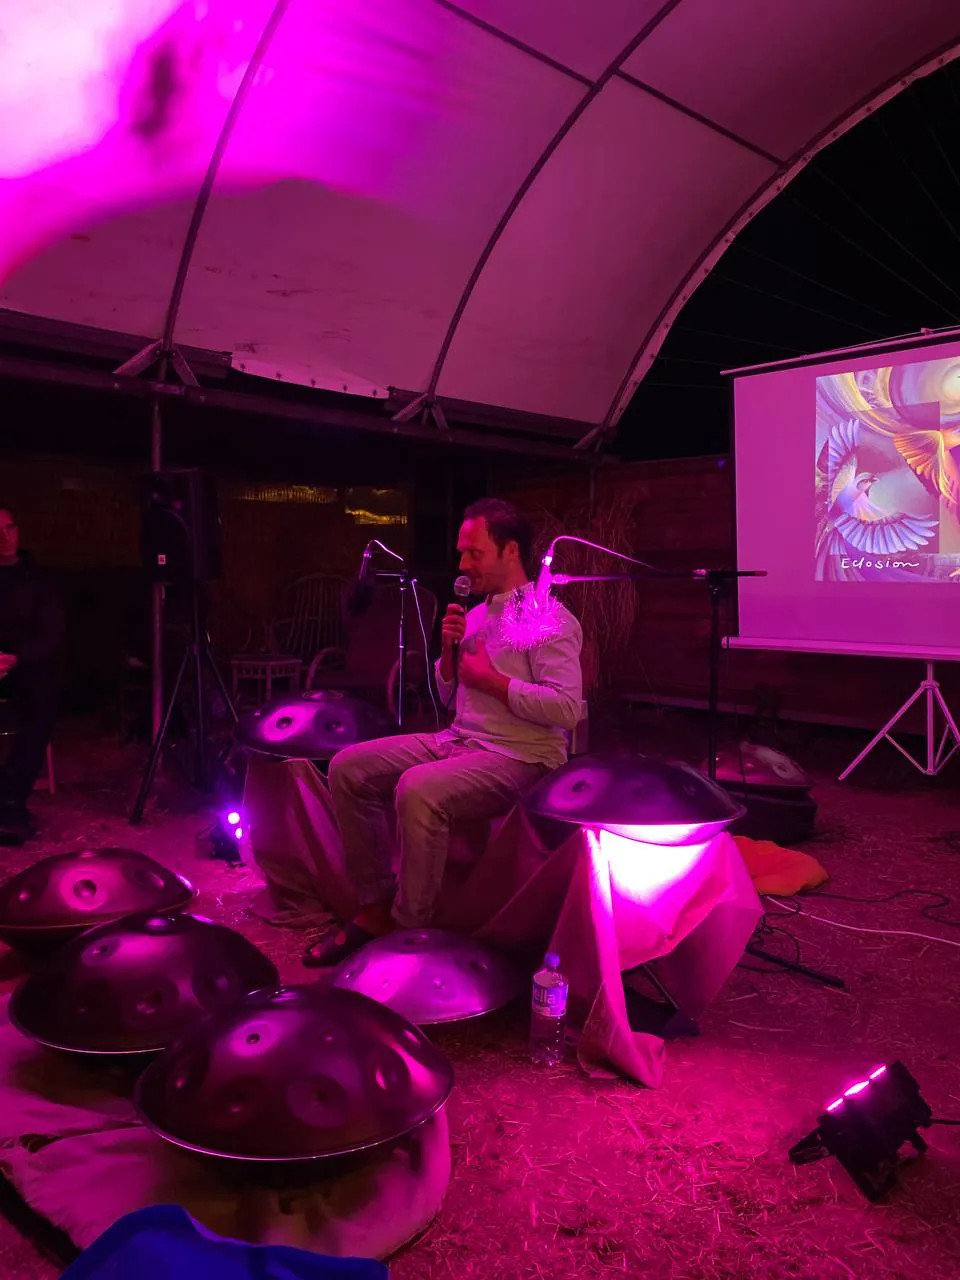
<point>513,708</point>
<point>31,633</point>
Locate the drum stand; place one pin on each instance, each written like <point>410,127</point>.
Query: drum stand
<point>938,753</point>
<point>198,654</point>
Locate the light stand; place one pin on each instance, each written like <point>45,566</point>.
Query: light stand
<point>937,753</point>
<point>718,583</point>
<point>197,653</point>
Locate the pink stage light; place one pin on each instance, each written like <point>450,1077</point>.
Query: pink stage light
<point>856,1088</point>
<point>832,1106</point>
<point>876,1074</point>
<point>645,872</point>
<point>233,818</point>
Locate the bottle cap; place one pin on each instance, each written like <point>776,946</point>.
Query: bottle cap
<point>551,960</point>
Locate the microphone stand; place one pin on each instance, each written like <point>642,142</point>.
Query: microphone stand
<point>718,584</point>
<point>405,580</point>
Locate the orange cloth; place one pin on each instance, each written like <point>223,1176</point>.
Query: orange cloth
<point>774,869</point>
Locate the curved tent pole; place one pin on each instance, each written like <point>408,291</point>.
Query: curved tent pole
<point>426,402</point>
<point>163,353</point>
<point>785,173</point>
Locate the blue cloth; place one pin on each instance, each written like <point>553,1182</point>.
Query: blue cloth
<point>163,1242</point>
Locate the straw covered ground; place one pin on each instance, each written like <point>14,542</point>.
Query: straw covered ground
<point>556,1175</point>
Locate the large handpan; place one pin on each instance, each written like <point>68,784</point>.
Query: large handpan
<point>657,801</point>
<point>303,1073</point>
<point>137,984</point>
<point>61,896</point>
<point>313,726</point>
<point>431,976</point>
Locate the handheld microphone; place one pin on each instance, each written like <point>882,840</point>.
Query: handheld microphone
<point>461,589</point>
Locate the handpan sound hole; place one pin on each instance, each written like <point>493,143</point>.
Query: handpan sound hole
<point>85,889</point>
<point>151,1003</point>
<point>284,722</point>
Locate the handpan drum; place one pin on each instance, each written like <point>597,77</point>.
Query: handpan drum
<point>313,726</point>
<point>658,801</point>
<point>302,1073</point>
<point>431,976</point>
<point>753,767</point>
<point>61,896</point>
<point>135,985</point>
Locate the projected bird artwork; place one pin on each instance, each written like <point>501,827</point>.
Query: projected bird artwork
<point>888,473</point>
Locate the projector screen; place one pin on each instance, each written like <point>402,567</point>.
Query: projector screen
<point>848,495</point>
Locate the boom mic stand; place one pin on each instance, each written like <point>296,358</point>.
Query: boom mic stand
<point>405,581</point>
<point>197,652</point>
<point>718,583</point>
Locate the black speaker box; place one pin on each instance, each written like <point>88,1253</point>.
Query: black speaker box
<point>180,526</point>
<point>784,816</point>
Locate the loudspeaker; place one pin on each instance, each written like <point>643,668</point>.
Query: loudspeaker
<point>180,526</point>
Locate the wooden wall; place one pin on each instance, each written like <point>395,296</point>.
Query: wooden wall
<point>683,519</point>
<point>83,519</point>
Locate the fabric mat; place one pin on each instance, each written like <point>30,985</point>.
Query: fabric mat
<point>73,1148</point>
<point>604,904</point>
<point>157,1243</point>
<point>776,870</point>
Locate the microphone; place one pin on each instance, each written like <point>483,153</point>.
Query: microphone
<point>461,589</point>
<point>361,593</point>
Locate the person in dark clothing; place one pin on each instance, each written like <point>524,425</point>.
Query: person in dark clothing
<point>31,636</point>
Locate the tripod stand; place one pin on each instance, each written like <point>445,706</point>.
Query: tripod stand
<point>197,654</point>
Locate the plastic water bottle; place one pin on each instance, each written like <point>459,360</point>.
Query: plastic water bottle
<point>548,1013</point>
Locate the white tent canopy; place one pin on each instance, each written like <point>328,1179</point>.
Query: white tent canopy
<point>497,201</point>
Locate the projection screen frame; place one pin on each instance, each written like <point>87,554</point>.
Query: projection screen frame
<point>936,754</point>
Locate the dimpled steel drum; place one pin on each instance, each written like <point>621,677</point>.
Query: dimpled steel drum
<point>313,726</point>
<point>135,985</point>
<point>430,976</point>
<point>754,767</point>
<point>61,896</point>
<point>303,1073</point>
<point>662,802</point>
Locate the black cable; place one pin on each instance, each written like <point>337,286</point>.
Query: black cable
<point>819,284</point>
<point>945,1122</point>
<point>791,302</point>
<point>739,339</point>
<point>918,181</point>
<point>761,934</point>
<point>864,213</point>
<point>950,838</point>
<point>943,900</point>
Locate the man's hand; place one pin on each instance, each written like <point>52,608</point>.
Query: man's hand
<point>478,672</point>
<point>451,634</point>
<point>7,662</point>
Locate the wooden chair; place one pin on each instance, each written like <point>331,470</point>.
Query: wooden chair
<point>314,619</point>
<point>368,661</point>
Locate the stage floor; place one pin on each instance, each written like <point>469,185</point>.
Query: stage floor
<point>594,1178</point>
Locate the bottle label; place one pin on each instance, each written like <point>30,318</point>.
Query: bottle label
<point>551,1001</point>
